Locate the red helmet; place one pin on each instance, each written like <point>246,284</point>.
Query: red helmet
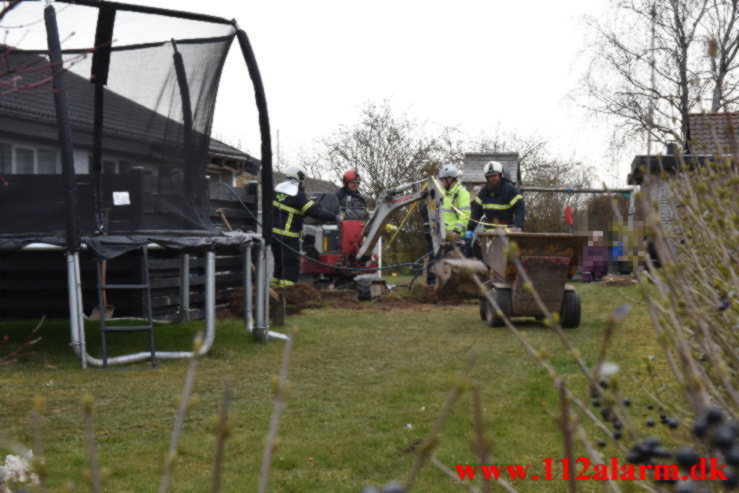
<point>350,175</point>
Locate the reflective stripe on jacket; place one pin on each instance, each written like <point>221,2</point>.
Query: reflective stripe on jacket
<point>455,208</point>
<point>288,212</point>
<point>502,206</point>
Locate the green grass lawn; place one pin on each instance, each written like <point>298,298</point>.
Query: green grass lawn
<point>366,385</point>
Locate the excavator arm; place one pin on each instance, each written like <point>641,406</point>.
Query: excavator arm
<point>398,198</point>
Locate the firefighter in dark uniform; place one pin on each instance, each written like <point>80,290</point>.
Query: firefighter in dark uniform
<point>351,189</point>
<point>499,203</point>
<point>289,205</point>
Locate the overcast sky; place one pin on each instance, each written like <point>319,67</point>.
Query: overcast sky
<point>486,66</point>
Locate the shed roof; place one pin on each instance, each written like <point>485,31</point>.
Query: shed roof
<point>474,162</point>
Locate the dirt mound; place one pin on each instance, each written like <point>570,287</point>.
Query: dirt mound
<point>227,313</point>
<point>429,295</point>
<point>335,298</point>
<point>235,304</point>
<point>617,280</point>
<point>396,303</point>
<point>298,297</point>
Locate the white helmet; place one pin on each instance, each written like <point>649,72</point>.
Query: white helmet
<point>297,172</point>
<point>448,171</point>
<point>492,167</point>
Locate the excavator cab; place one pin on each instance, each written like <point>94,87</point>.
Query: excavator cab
<point>334,245</point>
<point>348,253</point>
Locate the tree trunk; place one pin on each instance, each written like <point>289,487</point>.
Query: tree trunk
<point>454,276</point>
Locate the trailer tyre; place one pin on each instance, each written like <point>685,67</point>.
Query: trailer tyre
<point>483,309</point>
<point>503,298</point>
<point>571,308</point>
<point>364,289</point>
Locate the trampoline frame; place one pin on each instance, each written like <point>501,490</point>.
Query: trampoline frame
<point>256,323</point>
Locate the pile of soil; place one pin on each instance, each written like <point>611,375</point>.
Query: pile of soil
<point>429,295</point>
<point>235,304</point>
<point>298,297</point>
<point>618,280</point>
<point>339,298</point>
<point>392,303</point>
<point>228,313</point>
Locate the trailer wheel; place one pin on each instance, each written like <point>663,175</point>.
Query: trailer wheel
<point>364,289</point>
<point>483,309</point>
<point>571,307</point>
<point>503,298</point>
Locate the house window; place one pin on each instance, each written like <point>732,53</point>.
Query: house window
<point>113,166</point>
<point>6,158</point>
<point>22,160</point>
<point>46,162</point>
<point>25,161</point>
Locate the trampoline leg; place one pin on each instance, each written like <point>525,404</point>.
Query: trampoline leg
<point>74,295</point>
<point>185,286</point>
<point>259,333</point>
<point>248,315</point>
<point>80,311</point>
<point>265,291</point>
<point>73,318</point>
<point>210,301</point>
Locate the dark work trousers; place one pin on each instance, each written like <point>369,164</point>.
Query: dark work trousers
<point>287,260</point>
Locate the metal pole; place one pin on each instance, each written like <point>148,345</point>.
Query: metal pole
<point>80,310</point>
<point>632,212</point>
<point>65,132</point>
<point>185,285</point>
<point>74,319</point>
<point>210,300</point>
<point>265,290</point>
<point>264,132</point>
<point>259,332</point>
<point>248,315</point>
<point>637,241</point>
<point>379,258</point>
<point>576,190</point>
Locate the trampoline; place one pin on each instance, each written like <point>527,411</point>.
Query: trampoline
<point>104,140</point>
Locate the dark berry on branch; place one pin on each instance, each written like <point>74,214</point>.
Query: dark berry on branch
<point>687,457</point>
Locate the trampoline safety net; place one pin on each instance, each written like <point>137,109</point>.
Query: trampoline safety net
<point>141,90</point>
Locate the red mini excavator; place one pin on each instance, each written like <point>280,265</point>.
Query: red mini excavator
<point>348,253</point>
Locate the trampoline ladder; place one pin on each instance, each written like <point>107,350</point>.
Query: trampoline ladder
<point>145,288</point>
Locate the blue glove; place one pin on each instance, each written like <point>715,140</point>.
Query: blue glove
<point>468,234</point>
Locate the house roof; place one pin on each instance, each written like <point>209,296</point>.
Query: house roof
<point>667,163</point>
<point>714,133</point>
<point>125,119</point>
<point>711,134</point>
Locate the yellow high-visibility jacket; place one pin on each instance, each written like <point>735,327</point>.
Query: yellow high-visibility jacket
<point>455,208</point>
